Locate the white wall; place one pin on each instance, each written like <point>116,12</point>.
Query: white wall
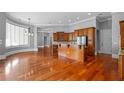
<point>5,51</point>
<point>2,33</point>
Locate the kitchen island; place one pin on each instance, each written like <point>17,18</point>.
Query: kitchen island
<point>71,51</point>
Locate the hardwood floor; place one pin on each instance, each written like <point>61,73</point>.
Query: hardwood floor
<point>43,66</point>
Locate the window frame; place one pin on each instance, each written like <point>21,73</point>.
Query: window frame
<point>16,46</point>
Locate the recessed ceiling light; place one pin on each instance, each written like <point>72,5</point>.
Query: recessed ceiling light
<point>89,13</point>
<point>78,18</point>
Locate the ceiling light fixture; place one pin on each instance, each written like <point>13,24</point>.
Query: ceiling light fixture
<point>30,32</point>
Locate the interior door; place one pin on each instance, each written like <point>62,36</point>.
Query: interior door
<point>106,41</point>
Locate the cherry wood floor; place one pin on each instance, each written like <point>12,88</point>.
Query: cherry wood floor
<point>42,65</point>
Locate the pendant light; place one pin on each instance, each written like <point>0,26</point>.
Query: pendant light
<point>30,32</point>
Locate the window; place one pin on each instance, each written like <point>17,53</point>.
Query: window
<point>16,35</point>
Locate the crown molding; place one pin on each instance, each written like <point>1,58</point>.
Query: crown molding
<point>85,20</point>
<point>49,25</point>
<point>107,19</point>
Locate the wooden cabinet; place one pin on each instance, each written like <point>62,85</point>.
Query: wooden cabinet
<point>76,33</point>
<point>122,33</point>
<point>91,40</point>
<point>91,36</point>
<point>55,36</point>
<point>90,48</point>
<point>121,66</point>
<point>81,32</point>
<point>70,36</point>
<point>55,50</point>
<point>60,36</point>
<point>66,36</point>
<point>73,35</point>
<point>85,32</point>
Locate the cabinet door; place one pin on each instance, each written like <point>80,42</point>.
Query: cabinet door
<point>90,34</point>
<point>73,35</point>
<point>66,36</point>
<point>60,36</point>
<point>85,32</point>
<point>55,36</point>
<point>76,33</point>
<point>122,33</point>
<point>91,40</point>
<point>81,32</point>
<point>70,36</point>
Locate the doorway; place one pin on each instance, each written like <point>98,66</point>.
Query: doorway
<point>105,41</point>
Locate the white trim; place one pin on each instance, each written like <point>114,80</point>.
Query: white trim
<point>51,25</point>
<point>104,20</point>
<point>115,56</point>
<point>19,51</point>
<point>88,19</point>
<point>50,31</point>
<point>16,51</point>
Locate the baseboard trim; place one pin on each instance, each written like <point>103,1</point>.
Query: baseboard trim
<point>16,51</point>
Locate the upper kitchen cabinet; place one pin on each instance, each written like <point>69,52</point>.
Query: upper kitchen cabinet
<point>81,32</point>
<point>60,36</point>
<point>66,36</point>
<point>76,33</point>
<point>71,36</point>
<point>55,36</point>
<point>85,32</point>
<point>91,36</point>
<point>122,33</point>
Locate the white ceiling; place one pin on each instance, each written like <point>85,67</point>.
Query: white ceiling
<point>43,18</point>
